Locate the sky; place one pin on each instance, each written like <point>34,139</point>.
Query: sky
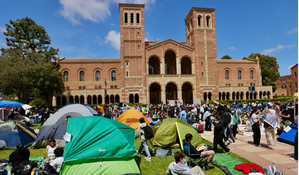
<point>90,28</point>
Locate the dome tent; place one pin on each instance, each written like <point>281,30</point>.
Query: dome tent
<point>131,118</point>
<point>55,126</point>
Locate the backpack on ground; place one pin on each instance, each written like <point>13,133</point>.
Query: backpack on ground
<point>148,132</point>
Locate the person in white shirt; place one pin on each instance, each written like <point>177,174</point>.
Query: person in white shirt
<point>57,163</point>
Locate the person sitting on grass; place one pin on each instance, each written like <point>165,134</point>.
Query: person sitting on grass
<point>180,167</point>
<point>208,154</point>
<point>19,155</point>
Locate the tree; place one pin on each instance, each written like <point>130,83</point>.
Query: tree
<point>33,70</point>
<point>226,57</point>
<point>269,67</point>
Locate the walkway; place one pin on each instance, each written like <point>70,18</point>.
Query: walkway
<point>261,155</point>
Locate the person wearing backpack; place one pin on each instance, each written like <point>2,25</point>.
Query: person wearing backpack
<point>141,133</point>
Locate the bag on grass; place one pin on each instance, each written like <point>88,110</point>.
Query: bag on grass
<point>148,132</point>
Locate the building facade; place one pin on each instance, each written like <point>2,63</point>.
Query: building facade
<point>287,85</point>
<point>158,71</point>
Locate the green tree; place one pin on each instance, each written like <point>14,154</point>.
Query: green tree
<point>269,67</point>
<point>33,70</point>
<point>226,57</point>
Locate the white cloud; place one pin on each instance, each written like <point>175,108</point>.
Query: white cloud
<point>146,39</point>
<point>92,10</point>
<point>290,66</point>
<point>232,48</point>
<point>276,49</point>
<point>113,38</point>
<point>293,31</point>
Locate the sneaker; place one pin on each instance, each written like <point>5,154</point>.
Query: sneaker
<point>227,142</point>
<point>148,159</point>
<point>233,143</point>
<point>292,159</point>
<point>227,152</point>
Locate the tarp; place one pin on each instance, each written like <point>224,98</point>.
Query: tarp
<point>55,126</point>
<point>12,136</point>
<point>168,132</point>
<point>131,118</point>
<point>9,104</point>
<point>95,137</point>
<point>228,161</point>
<point>111,166</point>
<point>99,145</point>
<point>289,137</point>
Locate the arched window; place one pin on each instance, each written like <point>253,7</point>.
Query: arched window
<point>239,74</point>
<point>98,75</point>
<point>82,75</point>
<point>66,75</point>
<point>208,21</point>
<point>201,74</point>
<point>198,20</point>
<point>132,18</point>
<point>137,18</point>
<point>226,74</point>
<point>201,63</point>
<point>126,18</point>
<point>127,74</point>
<point>113,75</point>
<point>127,63</point>
<point>251,74</point>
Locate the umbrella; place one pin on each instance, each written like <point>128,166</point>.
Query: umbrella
<point>25,107</point>
<point>9,104</point>
<point>296,95</point>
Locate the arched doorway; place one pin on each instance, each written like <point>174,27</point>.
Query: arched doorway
<point>136,98</point>
<point>254,95</point>
<point>89,99</point>
<point>210,95</point>
<point>186,66</point>
<point>170,62</point>
<point>187,93</point>
<point>107,99</point>
<point>241,95</point>
<point>154,65</point>
<point>111,98</point>
<point>63,100</point>
<point>233,96</point>
<point>155,93</point>
<point>100,100</point>
<point>71,99</point>
<point>227,96</point>
<point>205,96</point>
<point>223,95</point>
<point>268,94</point>
<point>261,95</point>
<point>247,95</point>
<point>94,99</point>
<point>171,92</point>
<point>264,94</point>
<point>58,101</point>
<point>131,98</point>
<point>219,95</point>
<point>76,99</point>
<point>81,99</point>
<point>251,95</point>
<point>117,99</point>
<point>237,95</point>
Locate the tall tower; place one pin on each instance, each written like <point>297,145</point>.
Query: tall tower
<point>201,34</point>
<point>132,55</point>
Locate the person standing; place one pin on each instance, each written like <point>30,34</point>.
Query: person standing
<point>236,120</point>
<point>219,131</point>
<point>255,124</point>
<point>270,123</point>
<point>207,119</point>
<point>140,133</point>
<point>183,115</point>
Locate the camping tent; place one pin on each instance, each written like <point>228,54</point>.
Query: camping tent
<point>55,126</point>
<point>8,104</point>
<point>99,146</point>
<point>12,135</point>
<point>288,136</point>
<point>172,129</point>
<point>131,118</point>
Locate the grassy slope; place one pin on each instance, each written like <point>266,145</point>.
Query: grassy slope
<point>157,166</point>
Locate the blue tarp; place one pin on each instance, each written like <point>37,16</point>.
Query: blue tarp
<point>289,137</point>
<point>9,104</point>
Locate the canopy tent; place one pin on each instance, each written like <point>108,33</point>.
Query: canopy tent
<point>167,133</point>
<point>107,144</point>
<point>295,99</point>
<point>131,118</point>
<point>12,135</point>
<point>55,126</point>
<point>288,136</point>
<point>9,104</point>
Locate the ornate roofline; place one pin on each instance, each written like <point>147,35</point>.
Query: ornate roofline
<point>169,41</point>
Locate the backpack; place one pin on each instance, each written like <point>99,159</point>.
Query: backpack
<point>148,132</point>
<point>192,116</point>
<point>25,168</point>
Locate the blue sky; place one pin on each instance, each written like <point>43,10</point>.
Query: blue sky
<point>90,28</point>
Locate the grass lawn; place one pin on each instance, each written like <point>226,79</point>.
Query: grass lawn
<point>157,166</point>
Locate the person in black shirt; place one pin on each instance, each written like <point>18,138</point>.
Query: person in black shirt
<point>19,155</point>
<point>285,118</point>
<point>219,130</point>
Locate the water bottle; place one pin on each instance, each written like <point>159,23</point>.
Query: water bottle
<point>37,171</point>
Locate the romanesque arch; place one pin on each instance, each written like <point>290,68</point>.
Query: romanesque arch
<point>111,98</point>
<point>171,91</point>
<point>187,93</point>
<point>81,99</point>
<point>89,99</point>
<point>186,67</point>
<point>100,100</point>
<point>76,99</point>
<point>71,99</point>
<point>170,62</point>
<point>155,93</point>
<point>154,65</point>
<point>94,99</point>
<point>64,100</point>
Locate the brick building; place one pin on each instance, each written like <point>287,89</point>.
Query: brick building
<point>157,71</point>
<point>287,85</point>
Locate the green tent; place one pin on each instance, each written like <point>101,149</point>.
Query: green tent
<point>172,129</point>
<point>98,145</point>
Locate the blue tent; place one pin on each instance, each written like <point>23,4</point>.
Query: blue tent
<point>289,137</point>
<point>12,136</point>
<point>9,104</point>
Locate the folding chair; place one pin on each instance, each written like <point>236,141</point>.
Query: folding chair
<point>186,147</point>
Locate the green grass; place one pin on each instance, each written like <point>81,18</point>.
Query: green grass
<point>157,166</point>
